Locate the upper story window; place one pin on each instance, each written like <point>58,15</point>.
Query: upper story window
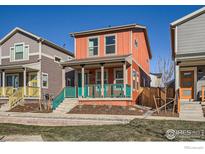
<point>110,43</point>
<point>19,52</point>
<point>93,46</point>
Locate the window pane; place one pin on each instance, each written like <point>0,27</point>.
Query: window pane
<point>110,40</point>
<point>19,51</point>
<point>19,48</point>
<point>19,55</point>
<point>119,81</point>
<point>93,42</point>
<point>119,74</point>
<point>110,49</point>
<point>45,80</point>
<point>93,51</point>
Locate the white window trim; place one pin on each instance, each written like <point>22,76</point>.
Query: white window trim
<point>100,78</point>
<point>57,57</point>
<point>111,54</point>
<point>45,87</point>
<point>21,43</point>
<point>93,37</point>
<point>118,69</point>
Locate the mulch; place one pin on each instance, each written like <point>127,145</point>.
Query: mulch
<point>105,109</point>
<point>115,110</point>
<point>166,114</point>
<point>204,110</point>
<point>32,107</point>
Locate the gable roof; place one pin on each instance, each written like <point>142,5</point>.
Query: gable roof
<point>116,28</point>
<point>181,21</point>
<point>35,37</point>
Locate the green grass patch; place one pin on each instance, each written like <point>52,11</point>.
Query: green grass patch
<point>136,130</point>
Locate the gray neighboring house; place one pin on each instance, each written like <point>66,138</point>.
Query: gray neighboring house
<point>188,50</point>
<point>30,67</point>
<point>156,80</point>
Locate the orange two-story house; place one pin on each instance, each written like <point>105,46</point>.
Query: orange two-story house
<point>111,64</point>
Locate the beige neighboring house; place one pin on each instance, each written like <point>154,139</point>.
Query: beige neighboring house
<point>30,67</point>
<point>156,80</point>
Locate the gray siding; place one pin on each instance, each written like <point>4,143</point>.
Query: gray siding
<point>18,38</point>
<point>54,52</point>
<point>191,36</point>
<point>32,59</point>
<point>54,71</point>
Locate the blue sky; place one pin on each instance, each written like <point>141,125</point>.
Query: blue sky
<point>56,22</point>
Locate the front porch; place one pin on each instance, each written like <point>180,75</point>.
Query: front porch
<point>19,83</point>
<point>104,78</point>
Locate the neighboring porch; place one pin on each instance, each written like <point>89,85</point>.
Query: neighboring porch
<point>190,80</point>
<point>19,82</point>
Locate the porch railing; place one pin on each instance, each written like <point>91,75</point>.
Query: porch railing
<point>16,97</point>
<point>32,91</point>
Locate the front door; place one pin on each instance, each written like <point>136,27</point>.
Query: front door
<point>12,80</point>
<point>187,85</point>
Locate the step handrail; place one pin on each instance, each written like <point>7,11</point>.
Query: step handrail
<point>16,97</point>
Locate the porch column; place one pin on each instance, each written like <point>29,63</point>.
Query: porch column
<point>177,78</point>
<point>102,80</point>
<point>24,81</point>
<point>124,77</point>
<point>83,76</point>
<point>3,82</point>
<point>63,78</point>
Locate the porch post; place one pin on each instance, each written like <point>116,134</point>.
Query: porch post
<point>102,80</point>
<point>124,77</point>
<point>3,82</point>
<point>24,81</point>
<point>63,78</point>
<point>83,76</point>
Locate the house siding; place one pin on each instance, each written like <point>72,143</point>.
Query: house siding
<point>32,59</point>
<point>140,53</point>
<point>54,52</point>
<point>122,44</point>
<point>19,38</point>
<point>191,36</point>
<point>54,71</point>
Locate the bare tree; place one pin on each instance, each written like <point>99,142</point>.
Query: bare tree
<point>166,67</point>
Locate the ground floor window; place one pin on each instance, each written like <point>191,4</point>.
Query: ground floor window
<point>98,77</point>
<point>119,76</point>
<point>44,80</point>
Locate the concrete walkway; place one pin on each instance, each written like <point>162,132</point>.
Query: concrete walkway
<point>52,119</point>
<point>20,138</point>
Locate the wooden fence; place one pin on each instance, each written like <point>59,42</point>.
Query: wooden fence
<point>146,98</point>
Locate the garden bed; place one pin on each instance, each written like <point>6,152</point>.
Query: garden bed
<point>166,114</point>
<point>105,109</point>
<point>31,107</point>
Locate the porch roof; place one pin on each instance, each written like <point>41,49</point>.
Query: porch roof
<point>98,60</point>
<point>31,67</point>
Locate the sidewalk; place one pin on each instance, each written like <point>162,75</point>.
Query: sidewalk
<point>52,119</point>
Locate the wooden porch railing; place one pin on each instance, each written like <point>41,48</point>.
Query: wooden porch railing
<point>16,97</point>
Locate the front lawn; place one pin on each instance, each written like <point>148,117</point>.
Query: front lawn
<point>136,130</point>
